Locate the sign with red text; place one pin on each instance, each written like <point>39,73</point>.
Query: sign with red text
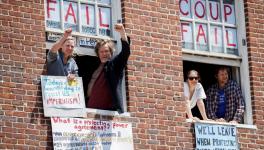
<point>215,137</point>
<point>88,21</point>
<point>221,26</point>
<point>104,21</point>
<point>70,18</point>
<point>53,20</point>
<point>61,94</point>
<point>84,19</point>
<point>76,133</point>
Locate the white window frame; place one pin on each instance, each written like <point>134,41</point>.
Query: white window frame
<point>115,37</point>
<point>240,62</point>
<point>116,15</point>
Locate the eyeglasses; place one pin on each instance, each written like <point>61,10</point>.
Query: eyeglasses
<point>192,78</point>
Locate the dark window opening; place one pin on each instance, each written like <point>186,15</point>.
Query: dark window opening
<point>207,77</point>
<point>87,65</point>
<point>206,72</point>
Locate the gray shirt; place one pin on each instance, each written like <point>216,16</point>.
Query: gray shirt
<point>56,67</point>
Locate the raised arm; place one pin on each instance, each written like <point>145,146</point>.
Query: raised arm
<point>120,60</point>
<point>121,30</point>
<point>59,43</point>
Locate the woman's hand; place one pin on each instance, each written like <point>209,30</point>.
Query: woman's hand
<point>195,119</point>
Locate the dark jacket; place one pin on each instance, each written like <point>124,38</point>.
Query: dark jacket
<point>114,70</point>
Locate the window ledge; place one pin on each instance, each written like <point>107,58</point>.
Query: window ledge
<point>107,112</point>
<point>213,54</point>
<point>246,126</point>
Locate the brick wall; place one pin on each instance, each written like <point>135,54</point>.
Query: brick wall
<point>254,14</point>
<point>22,59</point>
<point>154,76</point>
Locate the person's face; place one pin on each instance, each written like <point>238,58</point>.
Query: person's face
<point>104,53</point>
<point>193,77</point>
<point>222,77</point>
<point>67,47</point>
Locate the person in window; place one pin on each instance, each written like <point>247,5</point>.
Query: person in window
<point>225,102</point>
<point>59,58</point>
<point>194,95</point>
<point>104,89</point>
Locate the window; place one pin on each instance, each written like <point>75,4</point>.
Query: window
<point>213,33</point>
<point>90,20</point>
<point>211,27</point>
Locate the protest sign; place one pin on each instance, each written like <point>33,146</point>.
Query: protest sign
<point>62,97</point>
<point>215,137</point>
<point>76,133</point>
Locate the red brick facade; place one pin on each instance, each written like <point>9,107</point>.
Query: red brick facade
<point>154,76</point>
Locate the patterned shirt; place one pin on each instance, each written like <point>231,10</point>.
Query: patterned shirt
<point>235,104</point>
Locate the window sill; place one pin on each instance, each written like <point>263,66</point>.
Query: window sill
<point>245,126</point>
<point>106,112</point>
<point>213,54</point>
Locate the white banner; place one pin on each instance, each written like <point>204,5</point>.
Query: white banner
<point>222,12</point>
<point>215,137</point>
<point>70,15</point>
<point>52,14</point>
<point>86,134</point>
<point>62,97</point>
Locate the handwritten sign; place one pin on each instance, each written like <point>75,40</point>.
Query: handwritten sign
<point>219,36</point>
<point>88,12</point>
<point>59,93</point>
<point>76,133</point>
<point>215,137</point>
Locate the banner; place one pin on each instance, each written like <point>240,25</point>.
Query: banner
<point>88,134</point>
<point>60,95</point>
<point>215,137</point>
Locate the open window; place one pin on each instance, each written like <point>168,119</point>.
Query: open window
<point>90,20</point>
<point>213,33</point>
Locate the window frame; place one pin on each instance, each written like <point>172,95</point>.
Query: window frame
<point>115,15</point>
<point>238,62</point>
<point>194,21</point>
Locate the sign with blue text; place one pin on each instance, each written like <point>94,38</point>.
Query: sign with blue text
<point>62,97</point>
<point>90,134</point>
<point>215,137</point>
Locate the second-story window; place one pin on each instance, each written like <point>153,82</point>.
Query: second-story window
<point>209,25</point>
<point>89,20</point>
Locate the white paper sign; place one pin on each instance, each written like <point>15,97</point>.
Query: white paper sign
<point>70,15</point>
<point>53,14</point>
<point>88,21</point>
<point>75,133</point>
<point>215,137</point>
<point>60,95</point>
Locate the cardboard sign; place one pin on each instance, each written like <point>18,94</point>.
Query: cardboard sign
<point>215,137</point>
<point>76,133</point>
<point>60,94</point>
